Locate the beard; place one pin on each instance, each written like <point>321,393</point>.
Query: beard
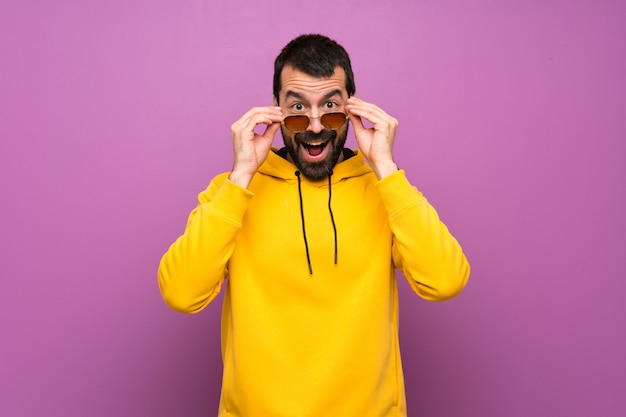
<point>315,170</point>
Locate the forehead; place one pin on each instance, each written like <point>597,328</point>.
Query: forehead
<point>309,86</point>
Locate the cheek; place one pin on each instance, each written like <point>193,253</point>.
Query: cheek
<point>342,133</point>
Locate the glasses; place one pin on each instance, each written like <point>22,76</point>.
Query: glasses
<point>299,123</point>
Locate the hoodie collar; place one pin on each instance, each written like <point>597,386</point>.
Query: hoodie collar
<point>278,167</point>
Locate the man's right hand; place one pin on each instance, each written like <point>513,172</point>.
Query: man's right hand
<point>251,149</point>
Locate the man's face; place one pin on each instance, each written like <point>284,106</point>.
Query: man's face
<point>316,150</point>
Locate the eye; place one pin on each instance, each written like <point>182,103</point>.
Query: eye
<point>297,107</point>
<point>330,105</point>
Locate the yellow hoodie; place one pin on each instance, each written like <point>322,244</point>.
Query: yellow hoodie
<point>302,344</point>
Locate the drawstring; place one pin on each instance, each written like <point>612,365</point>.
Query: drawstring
<point>332,219</point>
<point>306,244</point>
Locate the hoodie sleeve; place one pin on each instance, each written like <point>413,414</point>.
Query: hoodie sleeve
<point>430,258</point>
<point>194,267</point>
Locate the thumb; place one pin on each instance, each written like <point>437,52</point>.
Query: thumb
<point>357,123</point>
<point>270,130</point>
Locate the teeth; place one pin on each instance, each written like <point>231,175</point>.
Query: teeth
<point>315,142</point>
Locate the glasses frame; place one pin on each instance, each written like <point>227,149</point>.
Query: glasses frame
<point>321,118</point>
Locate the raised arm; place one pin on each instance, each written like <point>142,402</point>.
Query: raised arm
<point>193,269</point>
<point>429,256</point>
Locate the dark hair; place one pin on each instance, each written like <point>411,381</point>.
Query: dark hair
<point>315,55</point>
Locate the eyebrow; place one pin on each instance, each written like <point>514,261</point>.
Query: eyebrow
<point>290,93</point>
<point>336,92</point>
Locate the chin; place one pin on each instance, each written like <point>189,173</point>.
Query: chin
<point>316,171</point>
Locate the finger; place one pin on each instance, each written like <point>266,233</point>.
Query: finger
<point>357,122</point>
<point>370,112</point>
<point>254,117</point>
<point>269,110</point>
<point>265,115</point>
<point>270,130</point>
<point>361,105</point>
<point>380,122</point>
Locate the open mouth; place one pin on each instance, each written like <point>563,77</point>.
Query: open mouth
<point>315,147</point>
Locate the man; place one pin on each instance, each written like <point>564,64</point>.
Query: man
<point>309,237</point>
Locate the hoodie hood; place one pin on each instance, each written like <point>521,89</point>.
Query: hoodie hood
<point>278,167</point>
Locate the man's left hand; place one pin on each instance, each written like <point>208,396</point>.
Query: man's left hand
<point>376,142</point>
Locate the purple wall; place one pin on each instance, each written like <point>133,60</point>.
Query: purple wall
<point>115,114</point>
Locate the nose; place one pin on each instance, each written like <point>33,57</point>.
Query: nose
<point>315,124</point>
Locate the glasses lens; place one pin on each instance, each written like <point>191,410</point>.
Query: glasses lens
<point>299,123</point>
<point>333,120</point>
<point>296,123</point>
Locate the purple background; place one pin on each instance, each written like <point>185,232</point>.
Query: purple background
<point>116,114</point>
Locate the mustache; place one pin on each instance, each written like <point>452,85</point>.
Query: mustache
<point>307,136</point>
